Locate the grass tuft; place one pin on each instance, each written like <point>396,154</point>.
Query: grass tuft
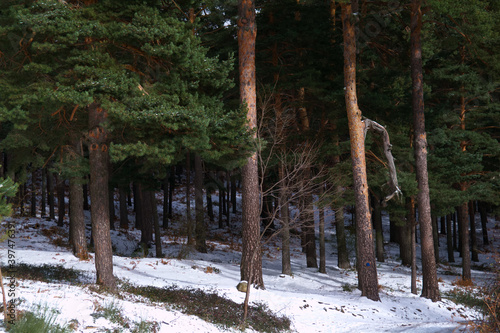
<point>40,319</point>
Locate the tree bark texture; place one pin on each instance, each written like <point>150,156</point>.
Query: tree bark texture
<point>61,211</point>
<point>430,287</point>
<point>367,274</point>
<point>98,159</point>
<point>251,261</point>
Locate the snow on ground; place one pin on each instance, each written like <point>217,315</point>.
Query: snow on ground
<point>314,302</point>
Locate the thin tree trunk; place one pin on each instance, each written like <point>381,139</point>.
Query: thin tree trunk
<point>33,195</point>
<point>407,234</point>
<point>435,237</point>
<point>455,231</point>
<point>484,221</point>
<point>190,225</point>
<point>473,237</point>
<point>379,232</point>
<point>60,201</point>
<point>86,205</point>
<point>171,191</point>
<point>233,193</point>
<point>138,206</point>
<point>98,160</point>
<point>251,259</point>
<point>144,199</point>
<point>165,204</point>
<point>43,210</point>
<point>430,287</point>
<point>210,208</point>
<point>412,223</point>
<point>111,200</point>
<point>156,224</point>
<point>343,257</point>
<point>464,240</point>
<point>322,249</point>
<point>123,207</point>
<point>449,239</point>
<point>200,229</point>
<point>221,200</point>
<point>78,239</point>
<point>367,273</point>
<point>443,225</point>
<point>286,266</point>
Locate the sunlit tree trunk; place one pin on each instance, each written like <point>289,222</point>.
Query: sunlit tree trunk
<point>430,288</point>
<point>367,274</point>
<point>251,262</point>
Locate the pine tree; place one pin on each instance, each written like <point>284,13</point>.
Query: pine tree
<point>367,269</point>
<point>251,262</point>
<point>430,287</point>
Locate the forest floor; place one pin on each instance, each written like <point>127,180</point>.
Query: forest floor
<point>314,302</point>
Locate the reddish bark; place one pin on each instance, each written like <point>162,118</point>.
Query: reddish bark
<point>367,268</point>
<point>251,262</point>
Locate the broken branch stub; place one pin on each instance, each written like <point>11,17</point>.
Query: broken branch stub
<point>382,132</point>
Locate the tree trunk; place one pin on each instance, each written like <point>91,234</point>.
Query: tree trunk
<point>286,266</point>
<point>367,274</point>
<point>98,159</point>
<point>379,232</point>
<point>412,224</point>
<point>138,205</point>
<point>322,249</point>
<point>484,221</point>
<point>190,225</point>
<point>251,260</point>
<point>455,231</point>
<point>111,200</point>
<point>123,207</point>
<point>449,239</point>
<point>43,210</point>
<point>86,205</point>
<point>200,230</point>
<point>221,213</point>
<point>210,208</point>
<point>33,195</point>
<point>146,213</point>
<point>407,234</point>
<point>473,238</point>
<point>435,237</point>
<point>464,241</point>
<point>165,204</point>
<point>430,287</point>
<point>343,256</point>
<point>443,225</point>
<point>233,193</point>
<point>156,224</point>
<point>76,219</point>
<point>61,204</point>
<point>171,191</point>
